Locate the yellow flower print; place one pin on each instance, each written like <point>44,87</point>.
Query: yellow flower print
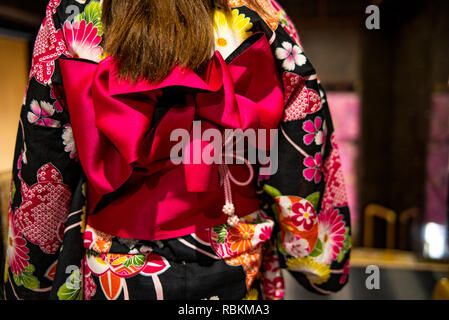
<point>251,295</point>
<point>230,31</point>
<point>316,272</point>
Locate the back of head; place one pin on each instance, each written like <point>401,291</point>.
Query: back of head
<point>150,37</point>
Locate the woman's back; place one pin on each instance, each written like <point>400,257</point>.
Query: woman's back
<point>300,220</point>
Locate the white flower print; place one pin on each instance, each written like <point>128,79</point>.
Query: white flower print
<point>41,113</point>
<point>69,142</point>
<point>292,56</point>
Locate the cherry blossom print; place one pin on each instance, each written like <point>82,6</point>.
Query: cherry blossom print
<point>16,251</point>
<point>49,46</point>
<point>292,56</point>
<point>331,232</point>
<point>41,113</point>
<point>313,132</point>
<point>83,40</point>
<point>314,168</point>
<point>300,100</point>
<point>304,216</point>
<point>69,141</point>
<point>45,205</point>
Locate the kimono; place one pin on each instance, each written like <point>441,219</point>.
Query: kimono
<point>297,219</point>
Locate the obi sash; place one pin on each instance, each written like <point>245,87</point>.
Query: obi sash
<point>134,190</point>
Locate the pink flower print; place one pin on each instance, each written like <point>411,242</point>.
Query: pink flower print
<point>304,215</point>
<point>314,132</point>
<point>331,232</point>
<point>40,114</point>
<point>82,40</point>
<point>16,252</point>
<point>265,233</point>
<point>314,168</point>
<point>292,56</point>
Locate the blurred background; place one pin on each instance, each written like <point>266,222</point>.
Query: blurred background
<point>388,91</point>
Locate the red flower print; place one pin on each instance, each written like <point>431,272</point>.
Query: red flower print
<point>331,231</point>
<point>265,233</point>
<point>304,215</point>
<point>16,252</point>
<point>45,205</point>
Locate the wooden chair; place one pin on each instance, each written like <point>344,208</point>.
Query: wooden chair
<point>375,210</point>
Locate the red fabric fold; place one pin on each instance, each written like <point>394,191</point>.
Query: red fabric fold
<point>121,152</point>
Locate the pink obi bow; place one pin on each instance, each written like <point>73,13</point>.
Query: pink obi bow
<point>126,158</point>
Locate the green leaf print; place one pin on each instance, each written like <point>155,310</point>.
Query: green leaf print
<point>137,260</point>
<point>92,13</point>
<point>272,191</point>
<point>314,199</point>
<point>317,250</point>
<point>71,289</point>
<point>347,243</point>
<point>222,233</point>
<point>27,279</point>
<point>13,190</point>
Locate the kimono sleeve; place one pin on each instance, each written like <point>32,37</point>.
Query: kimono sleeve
<point>45,171</point>
<point>308,194</point>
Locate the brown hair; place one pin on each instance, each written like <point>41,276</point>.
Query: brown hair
<point>150,37</point>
